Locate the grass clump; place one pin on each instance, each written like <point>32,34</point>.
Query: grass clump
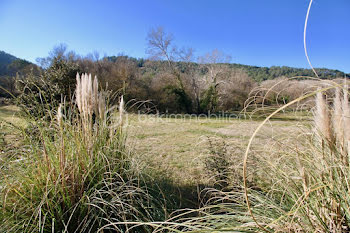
<point>77,175</point>
<point>299,185</point>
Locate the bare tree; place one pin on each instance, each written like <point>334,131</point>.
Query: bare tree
<point>212,63</point>
<point>214,57</point>
<point>235,90</point>
<point>159,44</point>
<point>59,52</point>
<point>183,54</point>
<point>160,47</point>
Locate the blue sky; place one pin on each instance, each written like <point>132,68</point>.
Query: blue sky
<point>255,32</point>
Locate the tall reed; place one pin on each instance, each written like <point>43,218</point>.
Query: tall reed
<point>77,175</point>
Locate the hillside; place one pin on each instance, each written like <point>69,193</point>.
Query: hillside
<point>257,73</point>
<point>266,73</point>
<point>143,79</point>
<point>11,65</point>
<point>5,60</point>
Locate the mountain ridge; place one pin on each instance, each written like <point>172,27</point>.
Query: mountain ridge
<point>10,65</point>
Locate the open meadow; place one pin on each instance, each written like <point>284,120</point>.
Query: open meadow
<point>176,172</point>
<point>229,126</point>
<point>180,146</point>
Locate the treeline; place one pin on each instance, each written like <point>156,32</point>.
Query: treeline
<point>174,87</point>
<point>199,88</point>
<point>185,87</point>
<point>268,73</point>
<point>171,79</point>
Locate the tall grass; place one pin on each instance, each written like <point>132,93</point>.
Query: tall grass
<point>301,186</point>
<point>77,175</point>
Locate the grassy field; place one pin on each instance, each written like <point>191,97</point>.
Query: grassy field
<point>177,149</point>
<point>179,146</point>
<point>10,122</point>
<point>163,161</point>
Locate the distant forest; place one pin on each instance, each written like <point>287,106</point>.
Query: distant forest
<point>11,65</point>
<point>257,73</point>
<point>168,82</point>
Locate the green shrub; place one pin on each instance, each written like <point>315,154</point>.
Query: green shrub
<point>41,94</point>
<point>219,163</point>
<point>209,102</point>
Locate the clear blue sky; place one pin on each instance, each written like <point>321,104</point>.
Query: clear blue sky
<point>256,32</point>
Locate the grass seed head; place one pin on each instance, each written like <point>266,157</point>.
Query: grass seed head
<point>321,117</point>
<point>338,117</point>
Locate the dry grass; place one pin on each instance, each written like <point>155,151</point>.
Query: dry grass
<point>75,174</point>
<point>179,146</point>
<point>10,122</point>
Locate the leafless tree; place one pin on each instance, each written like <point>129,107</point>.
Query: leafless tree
<point>235,90</point>
<point>216,70</point>
<point>160,47</point>
<point>160,44</point>
<point>213,62</point>
<point>214,57</point>
<point>59,52</point>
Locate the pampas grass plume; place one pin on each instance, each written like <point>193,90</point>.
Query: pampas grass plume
<point>321,117</point>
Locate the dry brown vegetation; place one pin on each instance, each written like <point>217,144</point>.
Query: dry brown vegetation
<point>180,146</point>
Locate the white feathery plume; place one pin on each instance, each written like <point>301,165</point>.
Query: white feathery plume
<point>346,115</point>
<point>121,109</point>
<point>83,95</point>
<point>59,115</point>
<point>321,117</point>
<point>78,93</point>
<point>88,98</point>
<point>89,94</point>
<point>338,117</point>
<point>101,105</point>
<point>95,97</point>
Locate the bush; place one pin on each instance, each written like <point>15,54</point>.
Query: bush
<point>41,94</point>
<point>219,163</point>
<point>77,175</point>
<point>209,102</point>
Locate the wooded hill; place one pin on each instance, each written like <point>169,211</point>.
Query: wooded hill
<point>171,86</point>
<point>258,73</point>
<point>11,65</point>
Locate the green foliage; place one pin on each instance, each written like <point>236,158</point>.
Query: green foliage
<point>10,69</point>
<point>63,74</point>
<point>218,163</point>
<point>260,74</point>
<point>182,99</point>
<point>40,94</point>
<point>279,98</point>
<point>209,102</point>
